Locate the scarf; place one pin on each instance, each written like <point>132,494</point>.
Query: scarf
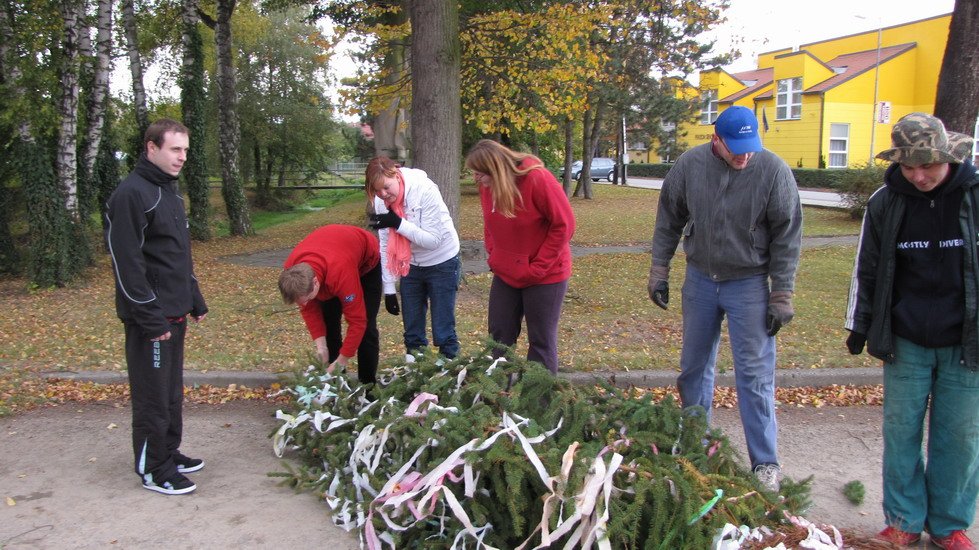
<point>399,249</point>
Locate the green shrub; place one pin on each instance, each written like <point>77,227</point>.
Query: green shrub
<point>857,184</point>
<point>817,178</point>
<point>642,170</point>
<point>854,492</point>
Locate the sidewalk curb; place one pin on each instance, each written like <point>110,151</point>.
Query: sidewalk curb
<point>784,378</point>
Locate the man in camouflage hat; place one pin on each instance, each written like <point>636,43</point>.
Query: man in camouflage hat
<point>914,303</point>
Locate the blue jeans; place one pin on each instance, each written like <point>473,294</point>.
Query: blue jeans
<point>745,303</point>
<point>435,285</point>
<point>939,497</point>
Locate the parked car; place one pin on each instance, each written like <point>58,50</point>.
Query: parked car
<point>601,168</point>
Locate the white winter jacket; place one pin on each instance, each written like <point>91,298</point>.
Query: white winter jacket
<point>426,224</point>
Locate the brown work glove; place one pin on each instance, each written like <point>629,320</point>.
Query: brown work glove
<point>780,310</point>
<point>659,285</point>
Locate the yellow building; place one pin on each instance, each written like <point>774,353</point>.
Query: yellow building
<point>816,103</point>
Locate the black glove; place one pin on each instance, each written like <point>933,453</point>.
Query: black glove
<point>387,219</point>
<point>855,342</point>
<point>658,285</point>
<point>391,304</point>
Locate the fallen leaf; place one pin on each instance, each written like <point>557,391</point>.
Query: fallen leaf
<point>11,502</point>
<point>111,426</point>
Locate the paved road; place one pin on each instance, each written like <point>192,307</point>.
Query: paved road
<point>808,197</point>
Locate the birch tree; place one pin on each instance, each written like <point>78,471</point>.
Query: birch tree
<point>229,132</point>
<point>136,72</point>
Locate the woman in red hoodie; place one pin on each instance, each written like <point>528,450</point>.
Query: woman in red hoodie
<point>527,227</point>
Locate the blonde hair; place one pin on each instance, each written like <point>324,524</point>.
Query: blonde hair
<point>502,165</point>
<point>378,168</point>
<point>296,282</point>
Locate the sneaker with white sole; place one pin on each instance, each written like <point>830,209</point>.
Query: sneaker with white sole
<point>185,464</point>
<point>768,476</point>
<point>177,484</point>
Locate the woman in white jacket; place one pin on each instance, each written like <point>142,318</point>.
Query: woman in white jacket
<point>419,245</point>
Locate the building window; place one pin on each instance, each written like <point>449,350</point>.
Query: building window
<point>708,113</point>
<point>839,145</point>
<point>788,101</point>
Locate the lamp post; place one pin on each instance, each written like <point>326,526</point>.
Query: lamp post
<point>873,112</point>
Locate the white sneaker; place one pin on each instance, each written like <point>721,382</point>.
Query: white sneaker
<point>768,475</point>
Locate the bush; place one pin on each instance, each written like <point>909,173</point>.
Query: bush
<point>856,186</point>
<point>817,178</point>
<point>641,170</point>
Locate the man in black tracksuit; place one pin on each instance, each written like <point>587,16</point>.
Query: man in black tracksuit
<point>147,235</point>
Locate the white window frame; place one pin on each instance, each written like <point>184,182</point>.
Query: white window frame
<point>844,152</point>
<point>788,99</point>
<point>708,112</point>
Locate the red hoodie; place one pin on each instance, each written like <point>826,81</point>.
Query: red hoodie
<point>533,247</point>
<point>339,256</point>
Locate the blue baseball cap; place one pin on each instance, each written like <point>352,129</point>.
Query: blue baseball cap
<point>738,127</point>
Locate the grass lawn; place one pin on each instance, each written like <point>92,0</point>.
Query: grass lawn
<point>608,322</point>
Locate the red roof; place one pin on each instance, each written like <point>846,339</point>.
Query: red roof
<point>761,78</point>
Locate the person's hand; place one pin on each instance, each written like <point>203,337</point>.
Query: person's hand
<point>780,311</point>
<point>391,304</point>
<point>387,219</point>
<point>659,285</point>
<point>341,362</point>
<point>855,342</point>
<point>322,353</point>
<point>163,337</point>
<point>198,318</point>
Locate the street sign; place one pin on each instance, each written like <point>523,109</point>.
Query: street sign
<point>884,114</point>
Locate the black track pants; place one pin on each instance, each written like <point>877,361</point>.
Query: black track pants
<point>370,346</point>
<point>156,382</point>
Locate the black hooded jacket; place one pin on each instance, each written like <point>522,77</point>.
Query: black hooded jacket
<point>916,273</point>
<point>147,235</point>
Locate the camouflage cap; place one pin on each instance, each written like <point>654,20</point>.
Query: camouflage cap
<point>919,138</point>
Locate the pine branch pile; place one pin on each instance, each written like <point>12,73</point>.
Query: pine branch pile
<point>483,453</point>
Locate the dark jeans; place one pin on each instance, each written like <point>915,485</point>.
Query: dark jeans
<point>369,349</point>
<point>436,284</point>
<point>540,305</point>
<point>156,384</point>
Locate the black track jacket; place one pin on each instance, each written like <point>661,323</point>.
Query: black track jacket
<point>146,233</point>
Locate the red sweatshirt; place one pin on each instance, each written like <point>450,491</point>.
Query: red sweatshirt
<point>532,248</point>
<point>339,256</point>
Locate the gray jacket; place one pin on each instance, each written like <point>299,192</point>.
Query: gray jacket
<point>734,223</point>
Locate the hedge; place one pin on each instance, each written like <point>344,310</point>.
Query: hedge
<point>805,177</point>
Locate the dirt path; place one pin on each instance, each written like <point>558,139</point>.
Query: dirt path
<point>70,478</point>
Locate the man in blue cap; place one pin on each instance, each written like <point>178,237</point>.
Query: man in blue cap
<point>736,205</point>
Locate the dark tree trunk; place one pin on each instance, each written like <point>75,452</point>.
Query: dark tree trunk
<point>193,103</point>
<point>228,129</point>
<point>957,100</point>
<point>568,154</point>
<point>436,112</point>
<point>591,132</point>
